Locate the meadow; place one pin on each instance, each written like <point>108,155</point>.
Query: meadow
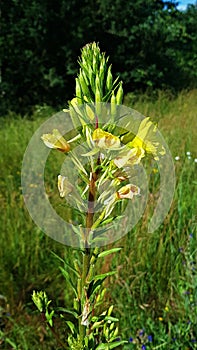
<point>155,289</point>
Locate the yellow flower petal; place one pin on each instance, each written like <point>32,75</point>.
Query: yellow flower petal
<point>56,140</point>
<point>105,140</point>
<point>147,139</point>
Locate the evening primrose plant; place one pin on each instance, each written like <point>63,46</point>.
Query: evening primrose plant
<point>105,157</point>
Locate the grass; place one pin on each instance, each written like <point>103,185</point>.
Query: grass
<point>155,289</point>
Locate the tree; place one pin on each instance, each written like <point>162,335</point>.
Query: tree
<point>151,45</point>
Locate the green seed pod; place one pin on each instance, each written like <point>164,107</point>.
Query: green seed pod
<point>111,326</point>
<point>75,112</point>
<point>107,333</point>
<point>94,64</point>
<point>89,112</point>
<point>102,71</point>
<point>113,98</point>
<point>119,95</point>
<point>97,81</point>
<point>85,77</point>
<point>98,96</point>
<point>74,117</point>
<point>110,310</point>
<point>91,77</point>
<point>78,92</point>
<point>85,90</point>
<point>109,79</point>
<point>115,332</point>
<point>113,105</point>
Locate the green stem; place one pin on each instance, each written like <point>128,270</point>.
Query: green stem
<point>85,270</point>
<point>87,254</point>
<point>53,332</point>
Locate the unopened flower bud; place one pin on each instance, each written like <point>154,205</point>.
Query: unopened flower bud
<point>109,79</point>
<point>78,92</point>
<point>119,95</point>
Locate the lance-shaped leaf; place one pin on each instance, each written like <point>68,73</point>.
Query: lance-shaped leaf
<point>68,279</point>
<point>107,252</point>
<point>68,311</point>
<point>110,346</point>
<point>71,326</point>
<point>66,263</point>
<point>97,281</point>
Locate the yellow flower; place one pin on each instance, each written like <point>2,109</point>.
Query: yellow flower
<point>64,186</point>
<point>105,140</point>
<point>128,191</point>
<point>56,140</point>
<point>131,157</point>
<point>146,139</point>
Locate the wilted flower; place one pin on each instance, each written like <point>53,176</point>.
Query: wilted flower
<point>128,191</point>
<point>64,186</point>
<point>130,157</point>
<point>56,140</point>
<point>105,140</point>
<point>125,192</point>
<point>85,314</point>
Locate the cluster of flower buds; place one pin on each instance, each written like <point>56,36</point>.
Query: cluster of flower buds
<point>95,83</point>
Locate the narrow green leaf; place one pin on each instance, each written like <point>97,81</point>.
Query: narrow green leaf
<point>115,344</point>
<point>94,286</point>
<point>65,263</point>
<point>71,312</point>
<point>111,346</point>
<point>107,252</point>
<point>103,275</point>
<point>91,153</point>
<point>68,279</point>
<point>71,326</point>
<point>112,319</point>
<point>58,257</point>
<point>72,269</point>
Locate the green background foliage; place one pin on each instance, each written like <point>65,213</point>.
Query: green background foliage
<point>152,45</point>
